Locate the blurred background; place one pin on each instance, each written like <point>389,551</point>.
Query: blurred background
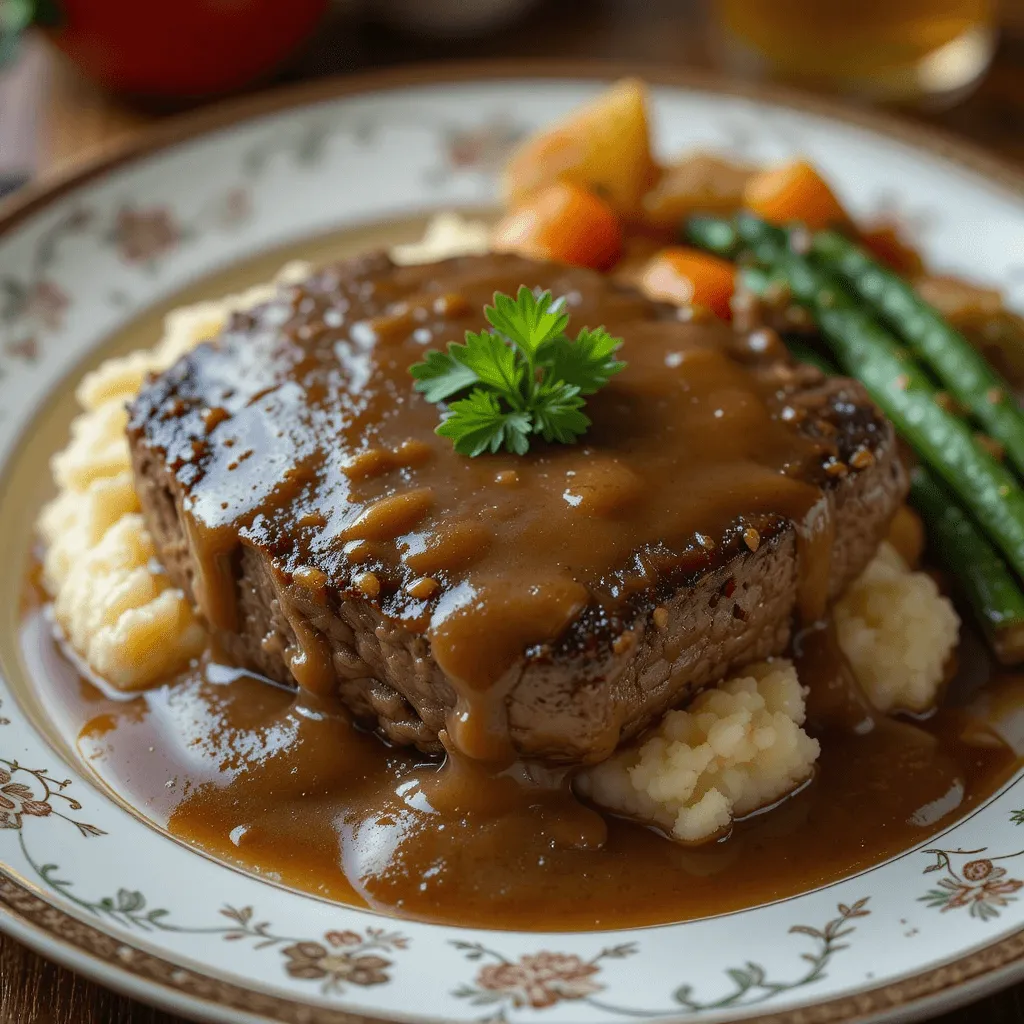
<point>77,76</point>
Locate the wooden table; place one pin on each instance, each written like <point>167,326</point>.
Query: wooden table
<point>79,121</point>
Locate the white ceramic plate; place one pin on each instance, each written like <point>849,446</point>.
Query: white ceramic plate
<point>89,884</point>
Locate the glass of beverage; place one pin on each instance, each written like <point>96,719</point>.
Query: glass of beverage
<point>890,50</point>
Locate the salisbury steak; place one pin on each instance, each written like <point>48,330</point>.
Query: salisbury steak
<point>296,491</point>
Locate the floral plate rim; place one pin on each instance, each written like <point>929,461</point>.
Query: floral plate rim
<point>26,914</point>
<point>140,974</point>
<point>177,129</point>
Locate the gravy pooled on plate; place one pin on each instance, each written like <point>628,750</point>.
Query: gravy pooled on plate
<point>265,778</point>
<point>526,614</point>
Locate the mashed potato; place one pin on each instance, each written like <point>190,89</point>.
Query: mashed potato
<point>898,633</point>
<point>446,235</point>
<point>111,598</point>
<point>741,746</point>
<point>735,749</point>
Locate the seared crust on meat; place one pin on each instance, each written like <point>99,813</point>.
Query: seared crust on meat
<point>711,608</point>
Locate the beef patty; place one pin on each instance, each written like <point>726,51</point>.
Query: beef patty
<point>553,603</point>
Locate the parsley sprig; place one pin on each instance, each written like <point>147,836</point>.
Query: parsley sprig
<point>524,377</point>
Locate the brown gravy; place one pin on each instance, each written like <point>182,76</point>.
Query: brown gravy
<point>286,785</point>
<point>263,778</point>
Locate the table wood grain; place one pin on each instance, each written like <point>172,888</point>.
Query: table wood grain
<point>80,121</point>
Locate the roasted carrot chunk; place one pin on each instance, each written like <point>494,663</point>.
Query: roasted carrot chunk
<point>793,192</point>
<point>565,223</point>
<point>689,277</point>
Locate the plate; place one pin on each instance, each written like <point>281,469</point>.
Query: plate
<point>206,202</point>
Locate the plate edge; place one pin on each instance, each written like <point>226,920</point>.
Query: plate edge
<point>78,945</point>
<point>186,127</point>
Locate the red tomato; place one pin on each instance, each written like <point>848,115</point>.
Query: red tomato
<point>186,48</point>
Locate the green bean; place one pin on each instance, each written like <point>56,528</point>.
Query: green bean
<point>988,585</point>
<point>955,540</point>
<point>713,234</point>
<point>869,352</point>
<point>959,367</point>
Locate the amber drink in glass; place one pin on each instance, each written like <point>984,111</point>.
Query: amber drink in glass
<point>898,50</point>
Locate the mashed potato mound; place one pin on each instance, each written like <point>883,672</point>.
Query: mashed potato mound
<point>898,632</point>
<point>735,749</point>
<point>111,598</point>
<point>446,235</point>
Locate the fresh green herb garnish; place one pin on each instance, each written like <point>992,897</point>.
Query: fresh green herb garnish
<point>527,376</point>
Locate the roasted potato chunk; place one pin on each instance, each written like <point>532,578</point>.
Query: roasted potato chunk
<point>604,146</point>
